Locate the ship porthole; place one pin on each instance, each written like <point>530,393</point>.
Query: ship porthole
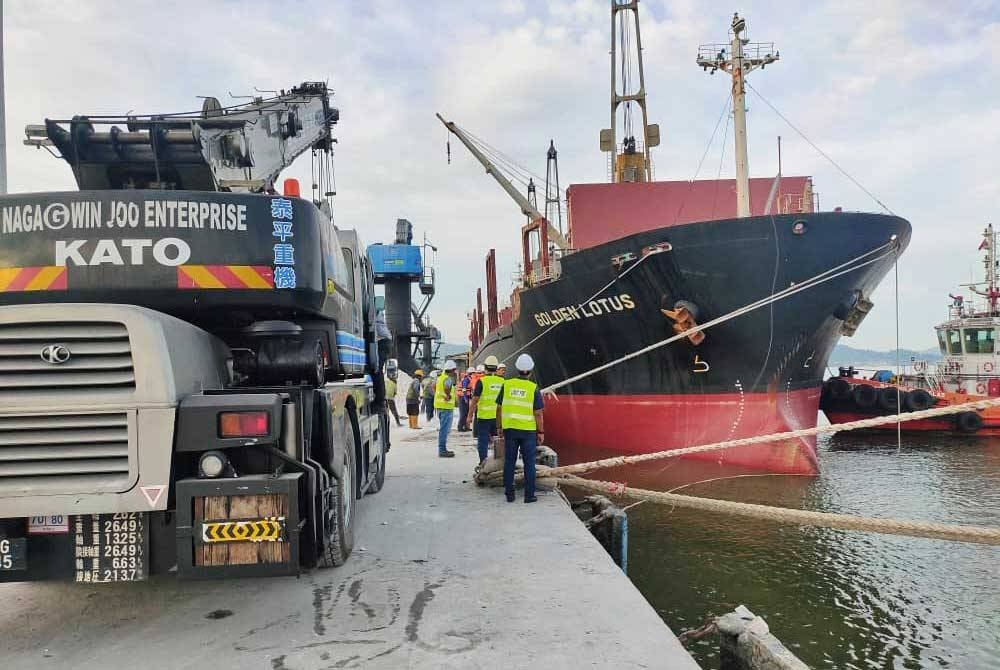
<point>799,228</point>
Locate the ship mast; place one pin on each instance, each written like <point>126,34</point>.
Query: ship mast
<point>739,58</point>
<point>629,161</point>
<point>989,288</point>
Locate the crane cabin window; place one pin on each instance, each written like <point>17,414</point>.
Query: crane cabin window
<point>954,342</point>
<point>978,340</point>
<point>347,285</point>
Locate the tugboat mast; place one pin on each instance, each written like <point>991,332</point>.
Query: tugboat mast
<point>739,58</point>
<point>989,288</point>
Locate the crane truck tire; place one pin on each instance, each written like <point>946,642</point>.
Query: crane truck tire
<point>339,521</point>
<point>379,480</point>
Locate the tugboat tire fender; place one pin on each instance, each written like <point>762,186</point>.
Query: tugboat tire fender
<point>838,389</point>
<point>865,396</point>
<point>890,398</point>
<point>918,400</point>
<point>968,422</point>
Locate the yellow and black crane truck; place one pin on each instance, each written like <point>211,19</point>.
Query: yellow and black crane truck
<point>189,380</point>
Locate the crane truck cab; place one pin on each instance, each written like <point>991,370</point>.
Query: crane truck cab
<point>188,370</point>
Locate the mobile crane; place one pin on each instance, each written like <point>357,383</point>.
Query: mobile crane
<point>188,369</point>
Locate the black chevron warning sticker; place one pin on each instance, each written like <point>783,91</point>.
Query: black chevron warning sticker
<point>270,529</point>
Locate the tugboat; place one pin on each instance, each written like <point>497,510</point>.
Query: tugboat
<point>969,368</point>
<point>643,260</point>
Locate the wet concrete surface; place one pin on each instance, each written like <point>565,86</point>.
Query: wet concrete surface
<point>444,575</point>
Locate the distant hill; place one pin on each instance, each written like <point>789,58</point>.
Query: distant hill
<point>448,349</point>
<point>845,355</point>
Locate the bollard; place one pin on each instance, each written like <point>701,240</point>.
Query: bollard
<point>746,643</point>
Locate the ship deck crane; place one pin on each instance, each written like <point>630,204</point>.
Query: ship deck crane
<point>241,148</point>
<point>527,208</point>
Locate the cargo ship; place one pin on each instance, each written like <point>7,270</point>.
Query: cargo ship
<point>969,368</point>
<point>772,282</point>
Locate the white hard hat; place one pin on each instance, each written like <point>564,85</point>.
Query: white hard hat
<point>449,365</point>
<point>481,368</point>
<point>491,361</point>
<point>525,363</point>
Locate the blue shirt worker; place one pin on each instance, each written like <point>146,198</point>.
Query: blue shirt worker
<point>445,391</point>
<point>519,412</point>
<point>484,406</point>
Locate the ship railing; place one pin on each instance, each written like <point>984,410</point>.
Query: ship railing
<point>717,54</point>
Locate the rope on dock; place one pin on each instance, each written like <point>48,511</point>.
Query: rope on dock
<point>925,529</point>
<point>617,461</point>
<point>568,474</point>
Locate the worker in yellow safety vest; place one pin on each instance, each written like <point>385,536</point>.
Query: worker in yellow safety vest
<point>484,406</point>
<point>413,399</point>
<point>390,396</point>
<point>519,413</point>
<point>445,391</point>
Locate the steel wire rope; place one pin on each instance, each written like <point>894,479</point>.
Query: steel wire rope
<point>580,304</point>
<point>486,147</point>
<point>708,147</point>
<point>899,425</point>
<point>821,278</point>
<point>820,151</point>
<point>722,158</point>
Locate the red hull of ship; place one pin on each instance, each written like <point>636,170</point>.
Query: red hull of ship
<point>638,424</point>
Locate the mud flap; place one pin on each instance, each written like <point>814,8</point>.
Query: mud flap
<point>240,527</point>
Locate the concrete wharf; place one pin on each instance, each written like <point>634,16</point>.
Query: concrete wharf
<point>444,575</point>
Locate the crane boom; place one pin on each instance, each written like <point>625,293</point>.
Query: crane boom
<point>241,148</point>
<point>527,208</point>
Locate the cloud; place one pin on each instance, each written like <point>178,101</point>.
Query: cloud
<point>901,94</point>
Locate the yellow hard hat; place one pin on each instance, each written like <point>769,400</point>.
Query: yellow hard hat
<point>491,361</point>
<point>418,373</point>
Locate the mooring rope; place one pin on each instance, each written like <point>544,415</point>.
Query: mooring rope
<point>569,474</point>
<point>617,461</point>
<point>926,529</point>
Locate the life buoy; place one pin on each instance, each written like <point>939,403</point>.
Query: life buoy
<point>981,388</point>
<point>987,367</point>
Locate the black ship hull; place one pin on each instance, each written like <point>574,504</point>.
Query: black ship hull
<point>757,373</point>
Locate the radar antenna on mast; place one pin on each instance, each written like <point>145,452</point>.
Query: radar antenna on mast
<point>738,58</point>
<point>989,288</point>
<point>630,160</point>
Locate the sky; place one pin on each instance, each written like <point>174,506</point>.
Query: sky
<point>902,95</point>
